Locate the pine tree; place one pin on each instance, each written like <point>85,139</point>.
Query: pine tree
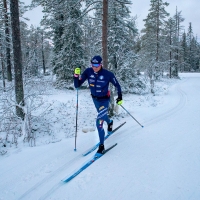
<point>154,25</point>
<point>194,54</point>
<point>121,36</point>
<point>64,19</point>
<point>178,19</point>
<point>17,54</point>
<point>184,52</point>
<point>197,55</point>
<point>153,39</point>
<point>170,42</point>
<point>190,43</point>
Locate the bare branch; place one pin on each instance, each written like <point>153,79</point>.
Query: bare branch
<point>124,2</point>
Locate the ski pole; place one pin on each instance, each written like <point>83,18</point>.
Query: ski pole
<point>76,114</point>
<point>131,115</point>
<point>76,117</point>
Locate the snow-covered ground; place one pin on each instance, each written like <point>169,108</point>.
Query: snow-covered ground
<point>158,162</point>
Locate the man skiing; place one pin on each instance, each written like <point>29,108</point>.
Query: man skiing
<point>98,80</point>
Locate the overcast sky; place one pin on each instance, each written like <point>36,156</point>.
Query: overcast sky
<point>189,8</point>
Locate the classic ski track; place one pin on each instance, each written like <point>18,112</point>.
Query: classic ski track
<point>63,167</point>
<point>179,106</point>
<point>54,188</point>
<point>45,180</point>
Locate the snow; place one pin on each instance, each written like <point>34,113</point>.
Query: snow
<point>159,161</point>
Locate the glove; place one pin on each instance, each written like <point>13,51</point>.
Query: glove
<point>119,99</point>
<point>77,72</point>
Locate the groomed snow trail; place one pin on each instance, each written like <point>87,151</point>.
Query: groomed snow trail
<point>159,161</point>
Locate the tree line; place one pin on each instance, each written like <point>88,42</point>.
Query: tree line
<point>72,31</point>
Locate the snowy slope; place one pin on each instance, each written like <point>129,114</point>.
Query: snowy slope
<point>159,161</point>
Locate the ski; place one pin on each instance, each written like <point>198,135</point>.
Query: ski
<point>106,137</point>
<point>96,157</point>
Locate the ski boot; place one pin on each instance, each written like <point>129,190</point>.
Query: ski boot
<point>100,151</point>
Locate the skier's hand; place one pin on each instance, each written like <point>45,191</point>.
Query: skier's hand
<point>119,99</point>
<point>77,71</point>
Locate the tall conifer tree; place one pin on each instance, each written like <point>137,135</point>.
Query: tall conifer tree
<point>153,39</point>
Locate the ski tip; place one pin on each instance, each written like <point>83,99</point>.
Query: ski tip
<point>65,181</point>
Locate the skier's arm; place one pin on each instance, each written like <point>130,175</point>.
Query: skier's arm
<point>119,91</point>
<point>79,80</point>
<point>114,81</point>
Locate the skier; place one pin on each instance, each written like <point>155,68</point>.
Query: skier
<point>98,80</point>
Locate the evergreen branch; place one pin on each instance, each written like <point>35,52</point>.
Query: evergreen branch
<point>85,11</point>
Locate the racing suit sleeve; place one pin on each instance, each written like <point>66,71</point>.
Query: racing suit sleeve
<point>114,81</point>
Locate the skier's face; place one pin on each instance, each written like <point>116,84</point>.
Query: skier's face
<point>96,68</point>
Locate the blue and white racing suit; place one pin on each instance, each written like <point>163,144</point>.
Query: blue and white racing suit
<point>99,83</point>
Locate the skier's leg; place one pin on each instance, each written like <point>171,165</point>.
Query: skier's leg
<point>101,132</point>
<point>105,117</point>
<point>101,117</point>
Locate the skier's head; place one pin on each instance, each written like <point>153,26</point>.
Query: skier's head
<point>96,62</point>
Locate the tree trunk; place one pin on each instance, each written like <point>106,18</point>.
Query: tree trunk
<point>2,65</point>
<point>17,55</point>
<point>3,76</point>
<point>105,34</point>
<point>7,34</point>
<point>3,70</point>
<point>43,61</point>
<point>157,33</point>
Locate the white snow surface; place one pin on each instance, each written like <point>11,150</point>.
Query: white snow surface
<point>158,162</point>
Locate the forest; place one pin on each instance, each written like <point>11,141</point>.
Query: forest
<point>33,60</point>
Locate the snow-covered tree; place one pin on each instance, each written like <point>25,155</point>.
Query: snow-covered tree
<point>193,50</point>
<point>154,26</point>
<point>194,54</point>
<point>63,18</point>
<point>178,19</point>
<point>184,52</point>
<point>153,40</point>
<point>152,44</point>
<point>170,30</point>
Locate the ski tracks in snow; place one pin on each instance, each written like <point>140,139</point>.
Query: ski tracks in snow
<point>181,104</point>
<point>176,108</point>
<point>160,117</point>
<point>48,178</point>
